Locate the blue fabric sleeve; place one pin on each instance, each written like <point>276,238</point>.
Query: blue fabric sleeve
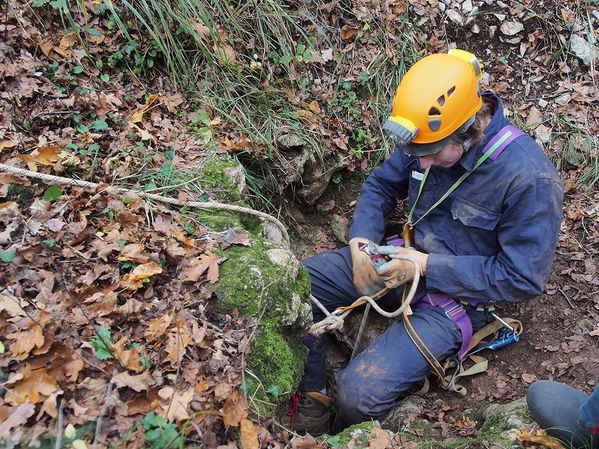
<point>589,409</point>
<point>527,235</point>
<point>379,196</point>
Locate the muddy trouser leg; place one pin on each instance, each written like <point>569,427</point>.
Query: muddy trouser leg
<point>332,284</point>
<point>369,386</point>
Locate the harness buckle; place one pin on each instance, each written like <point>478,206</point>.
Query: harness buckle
<point>449,312</point>
<point>449,384</point>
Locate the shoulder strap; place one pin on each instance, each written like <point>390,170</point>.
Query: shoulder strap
<point>491,150</point>
<point>502,139</point>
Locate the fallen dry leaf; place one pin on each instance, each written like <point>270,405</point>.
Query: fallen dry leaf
<point>33,387</point>
<point>129,358</point>
<point>43,155</point>
<point>145,270</point>
<point>381,440</point>
<point>541,437</point>
<point>207,263</point>
<point>138,115</point>
<point>33,337</point>
<point>234,410</point>
<point>17,418</point>
<point>249,435</point>
<point>175,404</point>
<point>158,327</point>
<point>140,382</point>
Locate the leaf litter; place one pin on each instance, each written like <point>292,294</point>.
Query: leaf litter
<point>104,307</point>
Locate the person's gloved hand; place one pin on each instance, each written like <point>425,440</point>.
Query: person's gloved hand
<point>366,280</point>
<point>399,271</point>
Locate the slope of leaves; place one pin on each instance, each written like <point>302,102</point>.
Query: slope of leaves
<point>103,313</point>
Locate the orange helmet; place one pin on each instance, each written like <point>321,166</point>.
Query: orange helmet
<point>438,96</point>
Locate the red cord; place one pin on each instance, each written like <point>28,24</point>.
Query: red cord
<point>292,408</point>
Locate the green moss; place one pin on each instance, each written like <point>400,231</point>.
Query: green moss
<point>247,276</point>
<point>214,177</point>
<point>495,425</point>
<point>218,220</point>
<point>22,195</point>
<point>275,361</point>
<point>343,438</point>
<point>277,294</point>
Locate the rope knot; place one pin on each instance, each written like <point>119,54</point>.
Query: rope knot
<point>332,322</point>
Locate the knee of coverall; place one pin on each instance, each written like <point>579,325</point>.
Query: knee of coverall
<point>357,401</point>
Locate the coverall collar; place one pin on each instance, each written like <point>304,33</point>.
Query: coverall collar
<point>497,122</point>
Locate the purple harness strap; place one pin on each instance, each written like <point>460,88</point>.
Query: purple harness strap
<point>455,312</point>
<point>515,133</point>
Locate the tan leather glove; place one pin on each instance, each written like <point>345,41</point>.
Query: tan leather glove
<point>366,281</point>
<point>400,271</point>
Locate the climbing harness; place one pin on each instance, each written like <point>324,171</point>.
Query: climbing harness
<point>503,331</point>
<point>455,310</point>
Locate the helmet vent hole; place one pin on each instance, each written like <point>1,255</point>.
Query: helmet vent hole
<point>451,91</point>
<point>441,100</point>
<point>434,111</point>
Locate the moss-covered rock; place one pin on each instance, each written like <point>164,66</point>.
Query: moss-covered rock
<point>503,421</point>
<point>224,177</point>
<point>269,283</point>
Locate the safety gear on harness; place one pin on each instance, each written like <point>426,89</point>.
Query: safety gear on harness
<point>366,280</point>
<point>308,413</point>
<point>399,271</point>
<point>437,97</point>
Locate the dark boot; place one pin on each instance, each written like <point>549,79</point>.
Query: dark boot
<point>308,413</point>
<point>555,407</point>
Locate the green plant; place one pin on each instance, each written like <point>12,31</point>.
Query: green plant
<point>101,343</point>
<point>160,434</point>
<point>52,193</point>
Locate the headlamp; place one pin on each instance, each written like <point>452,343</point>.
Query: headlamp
<point>400,130</point>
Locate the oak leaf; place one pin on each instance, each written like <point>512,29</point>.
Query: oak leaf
<point>11,306</point>
<point>234,410</point>
<point>130,285</point>
<point>134,253</point>
<point>129,358</point>
<point>541,437</point>
<point>138,115</point>
<point>381,440</point>
<point>158,327</point>
<point>207,263</point>
<point>32,337</point>
<point>33,387</point>
<point>175,408</point>
<point>176,343</point>
<point>17,418</point>
<point>49,406</point>
<point>249,435</point>
<point>64,366</point>
<point>43,155</point>
<point>140,382</point>
<point>145,270</point>
<point>6,143</point>
<point>144,402</point>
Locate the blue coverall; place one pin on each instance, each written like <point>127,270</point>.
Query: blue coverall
<point>589,412</point>
<point>493,238</point>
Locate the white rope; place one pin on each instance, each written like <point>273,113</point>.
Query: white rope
<point>333,322</point>
<point>150,196</point>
